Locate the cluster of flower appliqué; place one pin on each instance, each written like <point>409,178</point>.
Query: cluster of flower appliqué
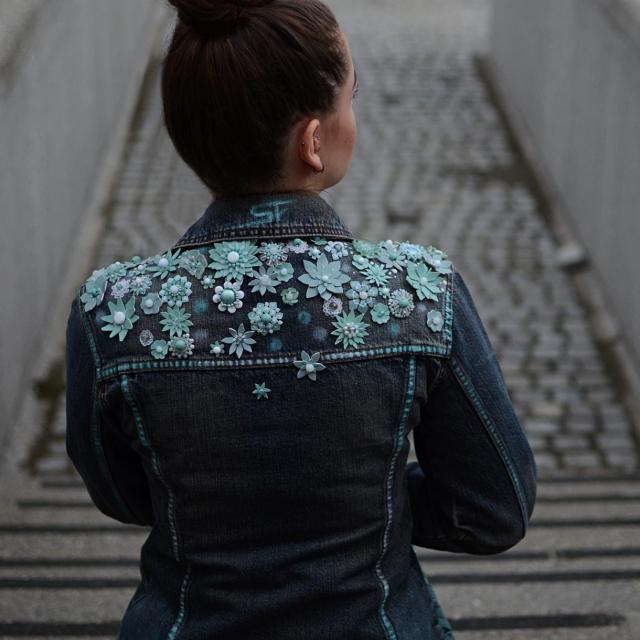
<point>264,267</point>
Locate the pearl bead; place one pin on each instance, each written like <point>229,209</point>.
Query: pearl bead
<point>309,367</point>
<point>148,303</point>
<point>233,256</point>
<point>119,317</point>
<point>163,263</point>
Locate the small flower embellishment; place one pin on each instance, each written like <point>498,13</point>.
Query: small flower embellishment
<point>298,245</point>
<point>94,290</point>
<point>332,306</point>
<point>234,260</point>
<point>216,348</point>
<point>181,346</point>
<point>323,277</point>
<point>401,303</point>
<point>165,264</point>
<point>289,296</point>
<point>365,247</point>
<point>121,319</point>
<point>380,313</point>
<point>265,318</point>
<point>151,303</point>
<point>176,291</point>
<point>115,271</point>
<point>208,281</point>
<point>436,258</point>
<point>337,248</point>
<point>264,281</point>
<point>390,255</point>
<point>228,296</point>
<point>273,253</point>
<point>159,349</point>
<point>376,274</point>
<point>424,280</point>
<point>193,262</point>
<point>120,288</point>
<point>146,338</point>
<point>361,296</point>
<point>360,262</point>
<point>435,321</point>
<point>309,365</point>
<point>176,322</point>
<point>140,284</point>
<point>240,340</point>
<point>283,272</point>
<point>350,329</point>
<point>261,390</point>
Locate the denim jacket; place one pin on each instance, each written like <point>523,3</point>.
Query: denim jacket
<point>248,395</point>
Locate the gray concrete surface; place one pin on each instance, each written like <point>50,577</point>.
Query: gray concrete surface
<point>435,164</point>
<point>569,75</point>
<point>68,71</point>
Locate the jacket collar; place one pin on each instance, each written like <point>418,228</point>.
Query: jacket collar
<point>286,214</point>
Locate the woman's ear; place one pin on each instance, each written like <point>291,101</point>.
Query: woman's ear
<point>309,145</point>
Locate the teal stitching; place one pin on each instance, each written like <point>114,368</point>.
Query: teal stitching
<point>448,316</point>
<point>126,390</point>
<point>495,436</point>
<point>127,367</point>
<point>397,445</point>
<point>180,619</point>
<point>96,434</point>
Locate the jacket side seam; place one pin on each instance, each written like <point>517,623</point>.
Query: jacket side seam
<point>95,427</point>
<point>408,401</point>
<point>179,621</point>
<point>144,440</point>
<point>150,365</point>
<point>495,436</point>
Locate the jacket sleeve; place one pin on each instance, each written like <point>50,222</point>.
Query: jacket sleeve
<point>100,451</point>
<point>473,488</point>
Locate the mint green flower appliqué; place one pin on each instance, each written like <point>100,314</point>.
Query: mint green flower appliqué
<point>120,288</point>
<point>151,303</point>
<point>94,290</point>
<point>261,390</point>
<point>424,280</point>
<point>181,346</point>
<point>380,313</point>
<point>283,272</point>
<point>176,291</point>
<point>121,319</point>
<point>273,253</point>
<point>193,262</point>
<point>159,349</point>
<point>437,259</point>
<point>390,255</point>
<point>350,329</point>
<point>265,318</point>
<point>115,271</point>
<point>435,321</point>
<point>176,322</point>
<point>264,281</point>
<point>323,277</point>
<point>216,348</point>
<point>401,303</point>
<point>361,296</point>
<point>165,264</point>
<point>228,296</point>
<point>289,296</point>
<point>140,284</point>
<point>240,340</point>
<point>234,259</point>
<point>365,248</point>
<point>309,365</point>
<point>376,274</point>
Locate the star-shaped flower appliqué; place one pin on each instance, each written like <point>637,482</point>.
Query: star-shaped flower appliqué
<point>309,365</point>
<point>264,281</point>
<point>94,290</point>
<point>323,277</point>
<point>424,280</point>
<point>240,340</point>
<point>261,390</point>
<point>234,259</point>
<point>176,321</point>
<point>350,329</point>
<point>165,264</point>
<point>121,319</point>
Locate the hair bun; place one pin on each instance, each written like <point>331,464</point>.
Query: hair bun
<point>212,17</point>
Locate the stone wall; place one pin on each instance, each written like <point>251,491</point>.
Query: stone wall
<point>570,72</point>
<point>69,70</point>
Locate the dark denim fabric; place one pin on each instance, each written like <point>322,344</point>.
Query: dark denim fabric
<point>293,516</point>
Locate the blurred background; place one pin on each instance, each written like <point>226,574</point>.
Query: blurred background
<point>506,133</point>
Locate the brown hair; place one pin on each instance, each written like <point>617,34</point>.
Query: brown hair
<point>238,75</point>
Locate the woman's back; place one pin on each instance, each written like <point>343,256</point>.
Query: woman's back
<point>249,394</point>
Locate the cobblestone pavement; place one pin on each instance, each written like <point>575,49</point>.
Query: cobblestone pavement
<point>434,164</point>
